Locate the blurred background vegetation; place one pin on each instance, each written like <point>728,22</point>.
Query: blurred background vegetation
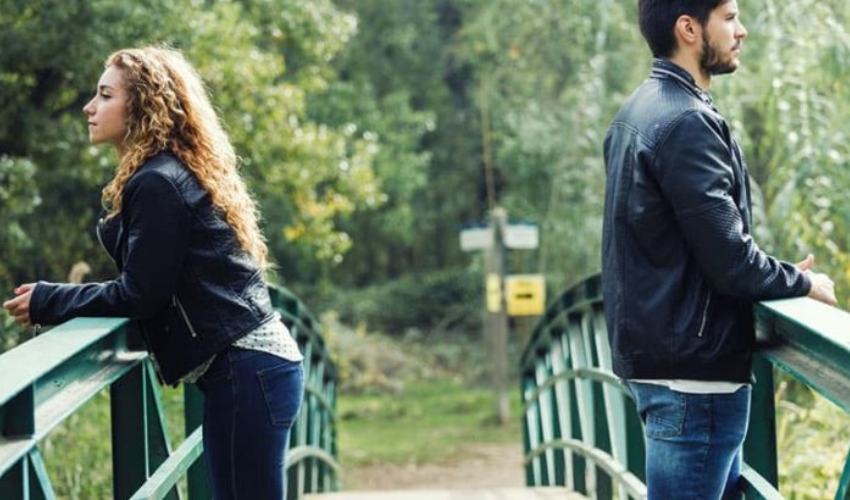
<point>364,127</point>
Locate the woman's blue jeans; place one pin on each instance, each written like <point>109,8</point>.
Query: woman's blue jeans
<point>693,441</point>
<point>250,401</point>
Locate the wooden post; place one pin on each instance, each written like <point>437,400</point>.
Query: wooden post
<point>496,326</point>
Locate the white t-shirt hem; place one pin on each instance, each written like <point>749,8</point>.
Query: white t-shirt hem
<point>695,386</point>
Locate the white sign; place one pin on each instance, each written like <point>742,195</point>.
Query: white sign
<point>476,238</point>
<point>522,236</point>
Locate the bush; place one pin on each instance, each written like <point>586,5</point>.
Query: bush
<point>438,301</point>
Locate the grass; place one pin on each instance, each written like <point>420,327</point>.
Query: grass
<point>78,453</point>
<point>429,421</point>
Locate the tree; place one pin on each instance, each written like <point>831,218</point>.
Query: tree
<point>306,174</point>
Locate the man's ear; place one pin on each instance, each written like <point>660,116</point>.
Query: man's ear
<point>688,31</point>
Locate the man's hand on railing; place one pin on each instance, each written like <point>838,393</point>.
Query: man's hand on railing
<point>823,288</point>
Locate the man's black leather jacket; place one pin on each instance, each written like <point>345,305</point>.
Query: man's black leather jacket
<point>680,270</point>
<point>183,274</point>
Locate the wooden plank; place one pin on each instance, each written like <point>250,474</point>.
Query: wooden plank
<point>480,494</point>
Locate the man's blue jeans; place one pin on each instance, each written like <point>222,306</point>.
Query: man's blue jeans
<point>693,441</point>
<point>250,401</point>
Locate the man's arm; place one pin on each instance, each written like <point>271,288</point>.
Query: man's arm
<point>696,175</point>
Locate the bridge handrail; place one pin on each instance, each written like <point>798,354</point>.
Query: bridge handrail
<point>46,379</point>
<point>580,426</point>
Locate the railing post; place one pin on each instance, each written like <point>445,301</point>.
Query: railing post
<point>197,480</point>
<point>635,441</point>
<point>27,479</point>
<point>18,417</point>
<point>129,464</point>
<point>760,447</point>
<point>496,316</point>
<point>139,443</point>
<point>604,484</point>
<point>12,482</point>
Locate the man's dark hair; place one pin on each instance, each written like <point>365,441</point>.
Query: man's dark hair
<point>658,18</point>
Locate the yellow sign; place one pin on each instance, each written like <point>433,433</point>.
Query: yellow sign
<point>494,293</point>
<point>526,294</point>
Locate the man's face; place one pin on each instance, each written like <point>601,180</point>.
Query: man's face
<point>722,39</point>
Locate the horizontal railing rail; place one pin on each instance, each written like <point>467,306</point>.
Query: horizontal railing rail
<point>48,378</point>
<point>809,341</point>
<point>580,427</point>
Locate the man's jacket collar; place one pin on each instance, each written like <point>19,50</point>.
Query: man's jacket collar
<point>664,69</point>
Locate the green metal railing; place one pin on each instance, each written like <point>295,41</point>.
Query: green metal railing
<point>580,429</point>
<point>312,464</point>
<point>46,379</point>
<point>580,426</point>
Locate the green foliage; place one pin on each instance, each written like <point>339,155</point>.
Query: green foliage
<point>81,472</point>
<point>78,453</point>
<point>18,198</point>
<point>789,104</point>
<point>429,302</point>
<point>391,89</point>
<point>366,126</point>
<point>548,104</point>
<point>309,176</point>
<point>812,437</point>
<point>305,173</point>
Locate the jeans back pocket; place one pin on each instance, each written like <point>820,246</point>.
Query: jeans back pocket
<point>283,388</point>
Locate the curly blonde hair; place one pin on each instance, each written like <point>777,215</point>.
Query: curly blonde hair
<point>168,109</point>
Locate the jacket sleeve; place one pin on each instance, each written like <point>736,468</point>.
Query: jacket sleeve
<point>695,172</point>
<point>157,224</point>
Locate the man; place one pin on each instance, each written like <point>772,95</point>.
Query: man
<point>680,269</point>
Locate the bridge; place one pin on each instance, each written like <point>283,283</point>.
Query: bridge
<point>581,436</point>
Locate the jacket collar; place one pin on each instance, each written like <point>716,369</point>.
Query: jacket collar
<point>664,69</point>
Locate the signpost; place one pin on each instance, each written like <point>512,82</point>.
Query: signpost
<point>520,295</point>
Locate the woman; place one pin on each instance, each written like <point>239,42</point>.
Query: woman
<point>183,231</point>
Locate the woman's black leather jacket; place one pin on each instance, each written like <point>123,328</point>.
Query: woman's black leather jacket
<point>680,269</point>
<point>183,274</point>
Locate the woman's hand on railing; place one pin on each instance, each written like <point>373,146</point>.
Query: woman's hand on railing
<point>19,307</point>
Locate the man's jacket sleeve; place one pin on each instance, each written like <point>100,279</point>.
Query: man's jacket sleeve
<point>695,171</point>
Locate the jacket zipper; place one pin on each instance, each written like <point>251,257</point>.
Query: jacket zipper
<point>704,315</point>
<point>100,239</point>
<point>185,316</point>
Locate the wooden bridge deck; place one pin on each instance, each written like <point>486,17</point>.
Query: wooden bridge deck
<point>472,494</point>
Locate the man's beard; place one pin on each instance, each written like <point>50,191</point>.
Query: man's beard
<point>711,61</point>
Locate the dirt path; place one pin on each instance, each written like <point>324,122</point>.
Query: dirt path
<point>482,466</point>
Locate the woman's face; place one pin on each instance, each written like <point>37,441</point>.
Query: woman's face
<point>107,111</point>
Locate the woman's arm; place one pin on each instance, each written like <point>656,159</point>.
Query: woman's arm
<point>157,223</point>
